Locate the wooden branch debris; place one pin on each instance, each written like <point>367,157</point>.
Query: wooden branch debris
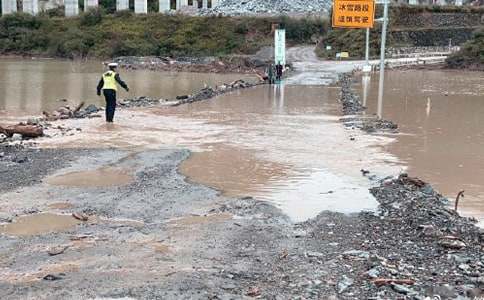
<point>31,131</point>
<point>387,281</point>
<point>66,112</point>
<point>459,195</point>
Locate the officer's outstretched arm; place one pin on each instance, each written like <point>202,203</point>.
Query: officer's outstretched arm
<point>121,82</point>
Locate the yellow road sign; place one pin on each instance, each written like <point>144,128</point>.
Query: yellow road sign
<point>353,13</point>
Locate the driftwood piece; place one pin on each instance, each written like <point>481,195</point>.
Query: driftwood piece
<point>78,108</point>
<point>387,281</point>
<point>31,131</point>
<point>459,195</point>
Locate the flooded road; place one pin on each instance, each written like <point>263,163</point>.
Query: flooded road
<point>284,144</point>
<point>440,115</point>
<point>31,86</point>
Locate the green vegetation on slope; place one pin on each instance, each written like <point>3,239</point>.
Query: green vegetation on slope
<point>471,54</point>
<point>96,34</point>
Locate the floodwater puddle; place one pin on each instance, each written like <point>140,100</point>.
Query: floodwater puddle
<point>234,171</point>
<point>37,224</point>
<point>102,177</point>
<point>439,114</point>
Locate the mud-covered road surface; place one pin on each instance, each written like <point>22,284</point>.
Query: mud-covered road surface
<point>161,237</point>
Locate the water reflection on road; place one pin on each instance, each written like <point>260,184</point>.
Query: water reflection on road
<point>31,86</point>
<point>440,115</point>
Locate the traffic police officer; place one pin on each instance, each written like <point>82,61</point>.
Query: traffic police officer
<point>108,84</point>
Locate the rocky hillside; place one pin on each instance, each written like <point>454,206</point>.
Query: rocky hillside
<point>426,26</point>
<point>271,7</point>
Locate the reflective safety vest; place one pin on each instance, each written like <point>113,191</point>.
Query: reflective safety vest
<point>109,81</point>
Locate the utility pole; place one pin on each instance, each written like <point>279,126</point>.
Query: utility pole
<point>382,58</point>
<point>367,51</point>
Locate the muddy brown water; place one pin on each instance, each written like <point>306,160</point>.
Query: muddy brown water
<point>35,85</point>
<point>282,144</point>
<point>102,177</point>
<point>38,224</point>
<point>441,120</point>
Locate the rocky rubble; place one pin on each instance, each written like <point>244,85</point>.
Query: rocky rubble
<point>352,106</point>
<point>203,94</point>
<point>67,112</point>
<point>413,247</point>
<point>140,102</point>
<point>270,7</point>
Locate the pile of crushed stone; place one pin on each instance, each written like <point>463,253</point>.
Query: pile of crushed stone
<point>273,7</point>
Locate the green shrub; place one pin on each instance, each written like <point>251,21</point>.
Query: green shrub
<point>92,17</point>
<point>471,53</point>
<point>96,34</point>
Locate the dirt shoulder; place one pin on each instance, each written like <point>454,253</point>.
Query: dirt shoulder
<point>163,237</point>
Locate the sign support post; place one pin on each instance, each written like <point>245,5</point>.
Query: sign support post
<point>382,59</point>
<point>367,50</point>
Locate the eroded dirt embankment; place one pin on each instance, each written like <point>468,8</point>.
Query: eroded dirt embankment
<point>160,236</point>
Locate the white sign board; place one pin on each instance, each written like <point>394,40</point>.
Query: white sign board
<point>280,46</point>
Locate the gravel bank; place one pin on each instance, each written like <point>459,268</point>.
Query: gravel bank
<point>352,106</point>
<point>269,7</point>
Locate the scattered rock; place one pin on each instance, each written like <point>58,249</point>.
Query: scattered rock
<point>51,277</point>
<point>80,216</point>
<point>357,253</point>
<point>314,254</point>
<point>452,244</point>
<point>402,289</point>
<point>254,292</point>
<point>16,137</point>
<point>57,250</point>
<point>5,217</point>
<point>373,273</point>
<point>344,284</point>
<point>91,108</point>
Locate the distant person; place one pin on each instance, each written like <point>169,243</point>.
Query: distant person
<point>270,73</point>
<point>108,84</point>
<point>279,69</point>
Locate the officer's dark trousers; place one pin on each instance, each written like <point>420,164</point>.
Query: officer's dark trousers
<point>110,96</point>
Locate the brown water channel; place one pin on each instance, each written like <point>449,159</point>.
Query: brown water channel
<point>31,86</point>
<point>441,119</point>
<point>283,144</point>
